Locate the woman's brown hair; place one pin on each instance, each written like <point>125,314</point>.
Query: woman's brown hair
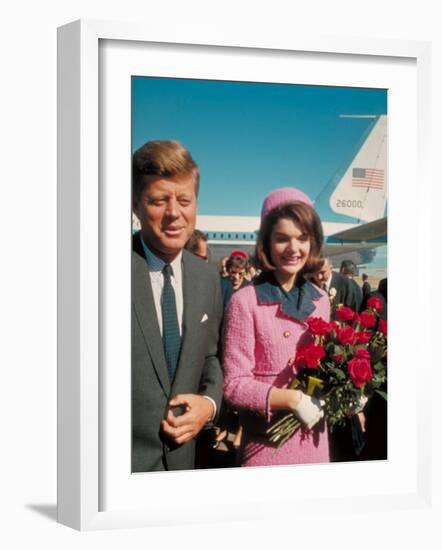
<point>306,218</point>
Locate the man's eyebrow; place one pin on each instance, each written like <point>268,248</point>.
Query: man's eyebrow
<point>158,195</point>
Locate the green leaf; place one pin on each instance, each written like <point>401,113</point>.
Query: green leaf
<point>338,350</point>
<point>339,373</point>
<point>379,366</point>
<point>382,394</point>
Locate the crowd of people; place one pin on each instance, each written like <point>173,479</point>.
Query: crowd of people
<point>213,350</point>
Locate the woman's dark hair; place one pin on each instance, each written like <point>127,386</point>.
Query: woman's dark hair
<point>309,223</point>
<point>236,262</point>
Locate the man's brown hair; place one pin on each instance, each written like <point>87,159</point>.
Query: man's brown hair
<point>306,218</point>
<point>193,243</point>
<point>162,158</point>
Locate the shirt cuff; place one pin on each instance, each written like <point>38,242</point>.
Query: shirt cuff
<point>212,416</point>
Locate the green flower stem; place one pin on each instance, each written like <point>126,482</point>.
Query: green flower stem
<point>283,427</point>
<point>282,431</point>
<point>288,426</point>
<point>288,436</point>
<point>283,437</point>
<point>281,421</point>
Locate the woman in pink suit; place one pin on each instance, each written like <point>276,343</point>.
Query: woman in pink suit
<point>264,324</point>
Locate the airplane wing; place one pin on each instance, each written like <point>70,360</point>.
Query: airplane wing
<point>362,237</point>
<point>365,232</point>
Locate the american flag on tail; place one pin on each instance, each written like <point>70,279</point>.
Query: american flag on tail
<point>368,178</point>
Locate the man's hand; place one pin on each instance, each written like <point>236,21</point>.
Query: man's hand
<point>181,429</point>
<point>362,420</point>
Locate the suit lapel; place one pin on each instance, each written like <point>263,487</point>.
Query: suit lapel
<point>191,297</point>
<point>144,305</point>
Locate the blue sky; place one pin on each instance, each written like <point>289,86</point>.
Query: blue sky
<point>250,138</point>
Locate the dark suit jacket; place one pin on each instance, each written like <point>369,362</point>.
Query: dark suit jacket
<point>198,371</point>
<point>227,289</point>
<point>366,289</point>
<point>354,295</point>
<point>348,292</point>
<point>340,284</point>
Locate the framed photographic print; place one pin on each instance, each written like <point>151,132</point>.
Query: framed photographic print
<point>255,117</point>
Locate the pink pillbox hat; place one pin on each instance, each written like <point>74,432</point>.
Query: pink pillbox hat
<point>239,253</point>
<point>281,196</point>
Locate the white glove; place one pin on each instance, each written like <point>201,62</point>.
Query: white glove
<point>308,411</point>
<point>358,406</point>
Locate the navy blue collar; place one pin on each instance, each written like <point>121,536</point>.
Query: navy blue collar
<point>297,303</point>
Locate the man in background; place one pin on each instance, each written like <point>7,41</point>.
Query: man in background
<point>335,284</point>
<point>366,288</point>
<point>354,298</point>
<point>198,246</point>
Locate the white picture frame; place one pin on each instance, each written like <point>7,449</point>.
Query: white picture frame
<point>80,294</point>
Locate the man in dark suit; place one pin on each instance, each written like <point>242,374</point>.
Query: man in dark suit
<point>366,288</point>
<point>176,314</point>
<point>335,284</point>
<point>349,270</point>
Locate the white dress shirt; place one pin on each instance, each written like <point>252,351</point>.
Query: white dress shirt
<point>156,266</point>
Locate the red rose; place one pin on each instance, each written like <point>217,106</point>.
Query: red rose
<point>309,356</point>
<point>362,353</point>
<point>338,358</point>
<point>299,359</point>
<point>345,313</point>
<point>383,326</point>
<point>318,326</point>
<point>375,303</point>
<point>363,337</point>
<point>346,335</point>
<point>367,319</point>
<point>359,371</point>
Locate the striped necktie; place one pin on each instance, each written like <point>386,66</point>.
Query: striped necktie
<point>171,330</point>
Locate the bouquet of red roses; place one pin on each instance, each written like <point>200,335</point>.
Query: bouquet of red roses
<point>343,365</point>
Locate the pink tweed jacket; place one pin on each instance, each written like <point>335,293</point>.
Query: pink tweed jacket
<point>262,330</point>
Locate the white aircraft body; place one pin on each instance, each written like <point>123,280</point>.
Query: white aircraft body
<point>352,206</point>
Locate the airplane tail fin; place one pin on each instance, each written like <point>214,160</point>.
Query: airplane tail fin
<point>359,192</point>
